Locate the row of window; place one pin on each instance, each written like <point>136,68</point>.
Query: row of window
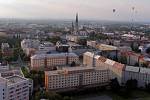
<point>62,77</point>
<point>62,86</point>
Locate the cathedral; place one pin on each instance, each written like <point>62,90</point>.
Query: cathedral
<point>75,30</point>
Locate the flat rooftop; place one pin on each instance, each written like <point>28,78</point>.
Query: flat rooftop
<point>89,54</point>
<point>73,44</point>
<point>145,70</point>
<point>73,70</point>
<point>41,56</point>
<point>10,73</point>
<point>110,62</point>
<point>132,69</point>
<point>15,79</point>
<point>104,47</point>
<point>2,80</point>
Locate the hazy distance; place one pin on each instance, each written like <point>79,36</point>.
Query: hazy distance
<point>87,9</point>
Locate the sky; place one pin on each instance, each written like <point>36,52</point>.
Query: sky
<point>66,9</point>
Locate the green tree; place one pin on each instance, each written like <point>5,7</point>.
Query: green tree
<point>54,39</point>
<point>33,72</point>
<point>52,96</point>
<point>115,58</point>
<point>41,78</point>
<point>144,65</point>
<point>136,64</point>
<point>135,47</point>
<point>131,84</point>
<point>37,96</point>
<point>9,59</point>
<point>25,72</point>
<point>148,50</point>
<point>0,56</point>
<point>67,98</point>
<point>82,41</point>
<point>19,52</point>
<point>123,59</point>
<point>148,87</point>
<point>114,84</point>
<point>98,37</point>
<point>73,64</point>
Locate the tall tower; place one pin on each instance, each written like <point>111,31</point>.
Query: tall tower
<point>77,23</point>
<point>72,28</point>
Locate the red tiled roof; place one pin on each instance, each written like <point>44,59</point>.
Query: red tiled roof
<point>130,53</point>
<point>102,59</point>
<point>119,66</point>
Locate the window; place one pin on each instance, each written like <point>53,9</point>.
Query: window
<point>11,88</point>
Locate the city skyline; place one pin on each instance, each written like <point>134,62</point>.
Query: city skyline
<point>126,10</point>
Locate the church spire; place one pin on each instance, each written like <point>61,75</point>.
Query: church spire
<point>72,27</point>
<point>77,23</point>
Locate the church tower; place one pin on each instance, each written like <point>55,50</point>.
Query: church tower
<point>77,23</point>
<point>72,28</point>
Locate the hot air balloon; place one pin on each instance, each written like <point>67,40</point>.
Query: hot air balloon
<point>114,10</point>
<point>133,8</point>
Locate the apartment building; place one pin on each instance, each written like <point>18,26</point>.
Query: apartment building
<point>91,59</point>
<point>14,88</point>
<point>105,47</point>
<point>30,46</point>
<point>75,77</point>
<point>5,45</point>
<point>4,66</point>
<point>142,75</point>
<point>75,38</point>
<point>41,61</point>
<point>30,43</point>
<point>87,58</point>
<point>45,47</point>
<point>91,44</point>
<point>6,50</point>
<point>134,58</point>
<point>107,51</point>
<point>8,73</point>
<point>115,68</point>
<point>131,72</point>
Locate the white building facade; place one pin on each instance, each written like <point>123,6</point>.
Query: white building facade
<point>14,88</point>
